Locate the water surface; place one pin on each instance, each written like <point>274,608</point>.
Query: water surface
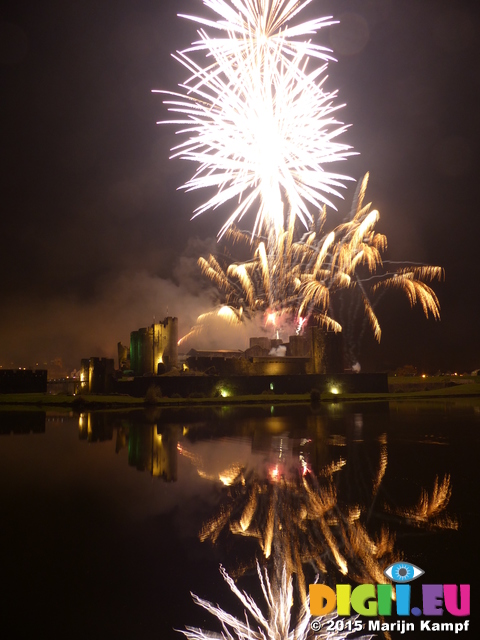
<point>101,512</point>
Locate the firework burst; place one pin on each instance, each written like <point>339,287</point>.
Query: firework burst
<point>261,128</point>
<point>259,122</point>
<point>299,276</point>
<point>276,625</point>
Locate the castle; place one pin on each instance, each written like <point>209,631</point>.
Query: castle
<point>311,360</point>
<point>153,350</point>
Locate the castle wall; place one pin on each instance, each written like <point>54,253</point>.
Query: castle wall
<point>96,375</point>
<point>23,381</point>
<point>100,375</point>
<point>166,343</point>
<point>123,356</point>
<point>153,346</point>
<point>184,385</point>
<point>262,341</point>
<point>325,349</point>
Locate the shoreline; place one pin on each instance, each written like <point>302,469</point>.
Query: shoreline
<point>93,401</point>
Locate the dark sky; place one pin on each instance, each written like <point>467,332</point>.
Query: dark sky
<point>96,240</point>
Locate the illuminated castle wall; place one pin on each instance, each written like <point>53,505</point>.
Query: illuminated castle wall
<point>96,375</point>
<point>154,349</point>
<point>315,352</point>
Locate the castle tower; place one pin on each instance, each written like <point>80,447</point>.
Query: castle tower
<point>153,346</point>
<point>165,343</point>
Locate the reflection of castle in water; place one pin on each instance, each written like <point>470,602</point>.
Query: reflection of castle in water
<point>148,448</point>
<point>95,427</point>
<point>323,491</point>
<point>155,452</point>
<point>304,519</point>
<point>310,488</point>
<point>22,423</point>
<point>317,502</point>
<point>155,438</point>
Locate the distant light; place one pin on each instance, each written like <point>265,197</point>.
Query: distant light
<point>228,476</point>
<point>271,386</point>
<point>224,393</point>
<point>334,390</point>
<point>423,375</point>
<point>271,317</point>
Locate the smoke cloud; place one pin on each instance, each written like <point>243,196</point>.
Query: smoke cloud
<point>38,331</point>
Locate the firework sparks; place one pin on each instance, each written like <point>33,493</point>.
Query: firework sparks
<point>260,124</point>
<point>298,278</point>
<point>427,514</point>
<point>303,518</point>
<point>261,128</point>
<point>276,625</point>
<point>228,314</point>
<point>302,523</point>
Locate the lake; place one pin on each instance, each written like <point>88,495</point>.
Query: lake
<point>110,519</point>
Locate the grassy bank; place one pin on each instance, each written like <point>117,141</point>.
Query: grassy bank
<point>415,391</point>
<point>470,390</point>
<point>92,401</point>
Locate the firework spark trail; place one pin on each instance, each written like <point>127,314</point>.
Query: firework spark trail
<point>298,277</point>
<point>259,122</point>
<point>276,625</point>
<point>301,519</point>
<point>427,513</point>
<point>261,127</point>
<point>260,24</point>
<point>303,524</point>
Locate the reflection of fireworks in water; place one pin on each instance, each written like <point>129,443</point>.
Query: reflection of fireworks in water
<point>305,525</point>
<point>427,512</point>
<point>298,515</point>
<point>302,521</point>
<point>297,279</point>
<point>260,124</point>
<point>276,625</point>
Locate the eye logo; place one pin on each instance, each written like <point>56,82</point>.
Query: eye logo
<point>403,572</point>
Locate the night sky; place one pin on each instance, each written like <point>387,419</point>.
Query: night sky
<point>96,240</point>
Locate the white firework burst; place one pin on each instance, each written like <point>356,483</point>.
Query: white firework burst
<point>276,625</point>
<point>259,122</point>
